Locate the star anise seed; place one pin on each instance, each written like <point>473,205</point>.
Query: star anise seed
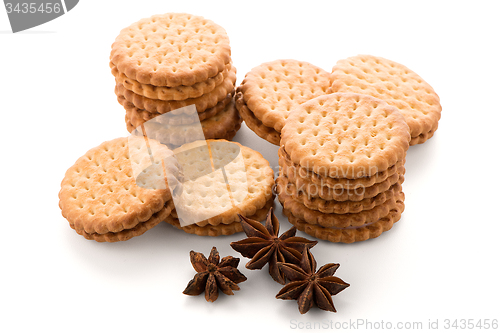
<point>214,274</point>
<point>264,246</point>
<point>309,286</point>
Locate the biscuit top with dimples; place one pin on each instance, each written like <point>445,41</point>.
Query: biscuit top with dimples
<point>171,50</point>
<point>393,83</point>
<point>345,135</point>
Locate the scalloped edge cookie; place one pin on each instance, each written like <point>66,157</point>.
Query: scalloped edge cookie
<point>349,235</point>
<point>290,168</point>
<point>171,49</point>
<point>136,115</point>
<point>333,206</point>
<point>171,93</point>
<point>338,220</point>
<point>202,103</point>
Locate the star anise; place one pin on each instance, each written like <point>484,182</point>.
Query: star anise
<point>214,274</point>
<point>264,246</point>
<point>308,286</point>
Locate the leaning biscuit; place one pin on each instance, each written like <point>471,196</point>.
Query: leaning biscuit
<point>265,132</point>
<point>395,84</point>
<point>171,50</point>
<point>100,195</point>
<point>345,135</point>
<point>272,89</point>
<point>421,138</point>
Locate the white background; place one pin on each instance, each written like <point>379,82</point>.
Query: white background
<point>439,262</point>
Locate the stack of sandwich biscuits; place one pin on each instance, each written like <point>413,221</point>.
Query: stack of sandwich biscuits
<point>341,162</point>
<point>165,63</point>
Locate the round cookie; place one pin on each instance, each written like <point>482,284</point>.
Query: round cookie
<point>202,103</point>
<point>99,194</point>
<point>170,93</point>
<point>171,49</point>
<point>245,187</point>
<point>267,133</point>
<point>345,135</point>
<point>395,84</point>
<point>272,89</point>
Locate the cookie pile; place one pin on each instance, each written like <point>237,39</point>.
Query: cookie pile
<point>271,90</point>
<point>341,163</point>
<point>124,187</point>
<point>166,62</point>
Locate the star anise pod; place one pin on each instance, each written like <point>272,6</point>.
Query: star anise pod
<point>214,274</point>
<point>308,286</point>
<point>264,246</point>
